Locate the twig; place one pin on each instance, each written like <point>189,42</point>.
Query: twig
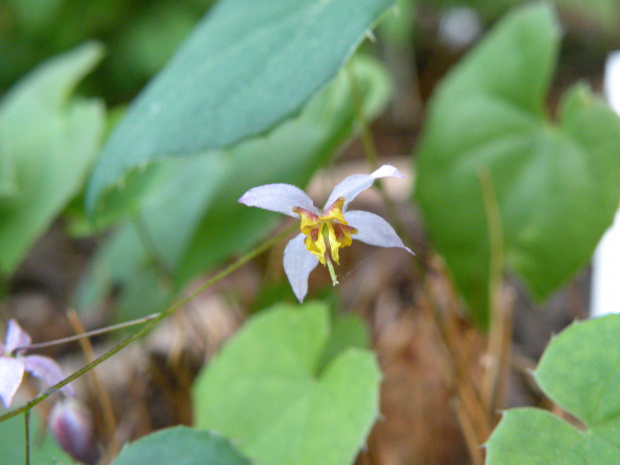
<point>102,395</point>
<point>470,433</point>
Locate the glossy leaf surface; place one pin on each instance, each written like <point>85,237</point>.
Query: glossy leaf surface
<point>247,66</point>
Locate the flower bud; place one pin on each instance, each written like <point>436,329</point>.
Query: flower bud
<point>72,425</point>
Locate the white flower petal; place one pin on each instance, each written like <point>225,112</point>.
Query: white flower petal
<point>351,186</point>
<point>47,370</point>
<point>11,374</point>
<point>280,198</point>
<point>298,264</point>
<point>373,230</point>
<point>16,337</point>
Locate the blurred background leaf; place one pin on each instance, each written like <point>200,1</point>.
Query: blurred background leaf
<point>47,143</point>
<point>139,36</point>
<point>489,113</point>
<point>266,390</point>
<point>181,446</point>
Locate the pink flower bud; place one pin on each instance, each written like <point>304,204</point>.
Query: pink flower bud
<point>72,425</point>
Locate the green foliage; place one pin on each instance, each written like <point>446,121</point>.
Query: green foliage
<point>266,391</point>
<point>47,143</point>
<point>557,184</point>
<point>181,446</point>
<point>398,26</point>
<point>346,330</point>
<point>43,448</point>
<point>193,218</point>
<point>580,372</point>
<point>247,67</point>
<point>138,36</point>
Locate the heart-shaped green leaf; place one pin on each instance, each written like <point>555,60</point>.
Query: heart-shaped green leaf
<point>266,390</point>
<point>47,143</point>
<point>248,65</point>
<point>180,446</point>
<point>557,184</point>
<point>580,371</point>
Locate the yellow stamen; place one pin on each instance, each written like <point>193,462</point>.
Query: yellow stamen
<point>328,231</point>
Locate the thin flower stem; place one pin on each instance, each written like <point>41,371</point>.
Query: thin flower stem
<point>27,432</point>
<point>371,152</point>
<point>368,141</point>
<point>150,324</point>
<point>95,332</point>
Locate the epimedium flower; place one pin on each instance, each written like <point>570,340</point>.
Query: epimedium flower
<point>71,423</point>
<point>324,232</point>
<point>13,364</point>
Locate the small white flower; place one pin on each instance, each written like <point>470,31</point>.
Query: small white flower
<point>324,232</point>
<point>13,365</point>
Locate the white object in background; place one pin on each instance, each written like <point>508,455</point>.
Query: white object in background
<point>459,27</point>
<point>606,266</point>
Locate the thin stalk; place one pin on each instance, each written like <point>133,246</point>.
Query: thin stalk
<point>368,141</point>
<point>27,427</point>
<point>95,332</point>
<point>470,434</point>
<point>370,150</point>
<point>494,381</point>
<point>150,324</point>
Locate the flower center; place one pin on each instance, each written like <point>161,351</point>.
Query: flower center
<point>326,233</point>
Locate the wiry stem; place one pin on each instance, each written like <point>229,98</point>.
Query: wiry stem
<point>150,324</point>
<point>494,386</point>
<point>371,152</point>
<point>27,431</point>
<point>76,337</point>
